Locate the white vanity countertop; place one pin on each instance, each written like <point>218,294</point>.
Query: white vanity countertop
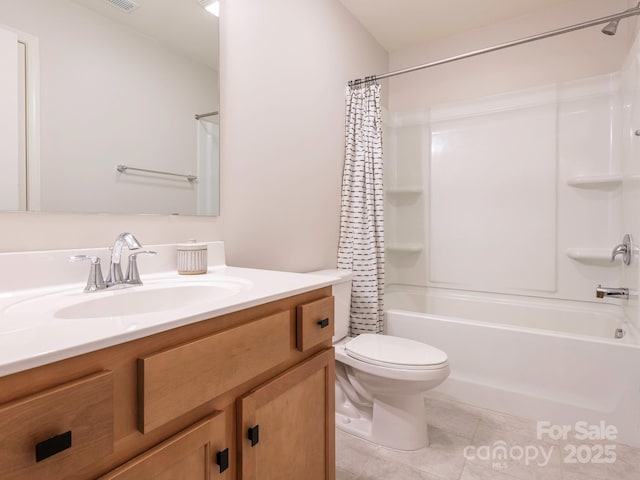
<point>32,335</point>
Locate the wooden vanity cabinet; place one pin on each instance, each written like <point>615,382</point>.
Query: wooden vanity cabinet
<point>179,404</point>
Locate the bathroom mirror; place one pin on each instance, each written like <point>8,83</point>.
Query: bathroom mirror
<point>111,95</point>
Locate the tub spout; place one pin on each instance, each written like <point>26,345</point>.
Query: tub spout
<point>602,292</point>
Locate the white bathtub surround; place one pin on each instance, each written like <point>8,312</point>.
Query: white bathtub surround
<point>542,359</point>
<point>493,191</point>
<point>361,246</point>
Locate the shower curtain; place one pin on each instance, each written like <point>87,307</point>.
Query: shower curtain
<point>361,246</point>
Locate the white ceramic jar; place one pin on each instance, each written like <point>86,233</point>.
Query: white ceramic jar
<point>192,258</point>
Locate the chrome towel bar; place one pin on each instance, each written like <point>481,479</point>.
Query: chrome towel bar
<point>198,116</point>
<point>123,168</point>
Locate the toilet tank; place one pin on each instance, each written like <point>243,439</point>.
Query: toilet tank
<point>342,293</point>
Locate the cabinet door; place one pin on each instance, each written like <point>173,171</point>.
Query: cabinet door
<point>188,455</point>
<point>286,426</point>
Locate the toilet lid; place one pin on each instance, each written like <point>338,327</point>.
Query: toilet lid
<point>385,350</point>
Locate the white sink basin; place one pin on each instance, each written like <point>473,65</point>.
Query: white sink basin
<point>140,301</point>
<point>153,297</point>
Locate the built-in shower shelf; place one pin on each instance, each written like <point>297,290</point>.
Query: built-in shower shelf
<point>596,181</point>
<point>590,255</point>
<point>404,247</point>
<point>404,191</point>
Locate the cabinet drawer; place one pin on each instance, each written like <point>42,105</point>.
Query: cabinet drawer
<point>191,454</point>
<point>175,381</point>
<point>314,323</point>
<point>54,433</point>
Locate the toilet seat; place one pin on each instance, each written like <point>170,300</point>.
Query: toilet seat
<point>395,352</point>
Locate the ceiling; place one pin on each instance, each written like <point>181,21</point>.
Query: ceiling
<point>397,24</point>
<point>182,25</point>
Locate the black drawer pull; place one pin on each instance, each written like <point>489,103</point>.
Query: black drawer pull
<point>324,323</point>
<point>222,459</point>
<point>254,435</point>
<point>52,446</point>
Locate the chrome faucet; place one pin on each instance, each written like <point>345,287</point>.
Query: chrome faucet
<point>602,292</point>
<point>114,279</point>
<point>115,270</point>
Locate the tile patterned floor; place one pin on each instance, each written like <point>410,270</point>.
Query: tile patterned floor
<point>456,429</point>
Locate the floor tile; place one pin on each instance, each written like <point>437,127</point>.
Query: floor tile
<point>457,418</point>
<point>469,443</point>
<point>345,475</point>
<point>352,453</point>
<point>509,425</point>
<point>475,471</point>
<point>443,457</point>
<point>385,469</point>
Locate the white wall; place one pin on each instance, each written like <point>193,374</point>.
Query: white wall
<point>285,65</point>
<point>563,58</point>
<point>46,231</point>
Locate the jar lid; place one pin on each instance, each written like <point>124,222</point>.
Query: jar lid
<point>192,245</point>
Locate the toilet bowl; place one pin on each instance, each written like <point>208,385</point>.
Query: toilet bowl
<point>381,379</point>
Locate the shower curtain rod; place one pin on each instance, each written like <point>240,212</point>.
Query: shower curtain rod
<point>552,33</point>
<point>202,115</point>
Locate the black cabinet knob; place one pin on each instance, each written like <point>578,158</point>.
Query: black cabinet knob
<point>324,323</point>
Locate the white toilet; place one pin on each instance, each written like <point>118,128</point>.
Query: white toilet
<point>380,379</point>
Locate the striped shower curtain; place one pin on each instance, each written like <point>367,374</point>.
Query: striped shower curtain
<point>361,247</point>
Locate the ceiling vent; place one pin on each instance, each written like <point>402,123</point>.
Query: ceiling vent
<point>127,6</point>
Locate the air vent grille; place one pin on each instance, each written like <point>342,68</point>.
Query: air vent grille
<point>126,6</point>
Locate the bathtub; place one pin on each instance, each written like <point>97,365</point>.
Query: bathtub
<point>545,359</point>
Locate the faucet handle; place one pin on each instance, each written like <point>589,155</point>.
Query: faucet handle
<point>618,250</point>
<point>77,258</point>
<point>625,248</point>
<point>133,275</point>
<point>95,280</point>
